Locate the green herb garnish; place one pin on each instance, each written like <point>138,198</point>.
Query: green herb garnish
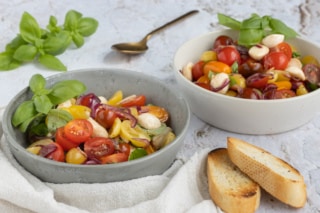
<point>253,29</point>
<point>35,43</point>
<point>43,102</point>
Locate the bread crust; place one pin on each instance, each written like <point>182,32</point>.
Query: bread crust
<point>273,174</point>
<point>229,188</point>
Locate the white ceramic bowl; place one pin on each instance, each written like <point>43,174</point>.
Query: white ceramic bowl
<point>244,115</point>
<point>105,82</point>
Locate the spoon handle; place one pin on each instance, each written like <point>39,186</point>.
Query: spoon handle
<point>171,22</point>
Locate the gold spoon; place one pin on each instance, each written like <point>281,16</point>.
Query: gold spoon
<point>141,46</point>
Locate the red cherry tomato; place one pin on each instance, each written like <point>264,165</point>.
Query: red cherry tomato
<point>52,151</point>
<point>63,141</point>
<point>283,47</point>
<point>276,60</point>
<point>114,158</point>
<point>98,147</point>
<point>139,100</point>
<point>197,70</point>
<point>251,93</point>
<point>222,40</point>
<point>124,148</point>
<point>105,117</point>
<point>204,85</point>
<point>257,80</point>
<point>312,73</point>
<point>78,130</point>
<point>229,55</point>
<point>284,93</point>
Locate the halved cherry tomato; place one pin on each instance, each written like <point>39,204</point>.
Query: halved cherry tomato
<point>114,158</point>
<point>65,143</point>
<point>134,100</point>
<point>125,148</point>
<point>52,151</point>
<point>98,147</point>
<point>284,93</point>
<point>276,60</point>
<point>216,66</point>
<point>229,55</point>
<point>251,93</point>
<point>258,81</point>
<point>115,98</point>
<point>249,67</point>
<point>204,85</point>
<point>197,70</point>
<point>78,130</point>
<point>76,156</point>
<point>105,117</point>
<point>283,47</point>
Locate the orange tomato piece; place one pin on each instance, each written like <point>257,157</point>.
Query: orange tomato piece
<point>217,67</point>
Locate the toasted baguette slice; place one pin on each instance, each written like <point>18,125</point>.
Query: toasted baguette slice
<point>229,188</point>
<point>274,175</point>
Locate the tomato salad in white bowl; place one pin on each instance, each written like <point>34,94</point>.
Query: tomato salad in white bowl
<point>96,125</point>
<point>244,79</point>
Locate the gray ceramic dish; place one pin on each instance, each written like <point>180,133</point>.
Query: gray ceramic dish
<point>104,82</point>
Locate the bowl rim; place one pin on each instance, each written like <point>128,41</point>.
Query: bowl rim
<point>7,122</point>
<point>179,76</point>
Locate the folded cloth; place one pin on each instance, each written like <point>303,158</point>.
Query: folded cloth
<point>182,188</point>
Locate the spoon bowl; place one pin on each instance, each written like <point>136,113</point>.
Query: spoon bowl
<point>141,46</point>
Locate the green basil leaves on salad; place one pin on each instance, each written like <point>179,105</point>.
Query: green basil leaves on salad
<point>34,43</point>
<point>253,29</point>
<point>43,102</point>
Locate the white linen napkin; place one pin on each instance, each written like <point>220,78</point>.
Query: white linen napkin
<point>182,188</point>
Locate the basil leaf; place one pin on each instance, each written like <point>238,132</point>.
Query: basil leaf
<point>25,53</point>
<point>42,103</point>
<point>77,39</point>
<point>52,62</point>
<point>229,22</point>
<point>25,111</point>
<point>29,28</point>
<point>64,90</point>
<point>7,62</point>
<point>87,26</point>
<point>71,20</point>
<point>250,37</point>
<point>57,44</point>
<point>138,153</point>
<point>254,22</point>
<point>36,83</point>
<point>24,126</point>
<point>57,118</point>
<point>15,43</point>
<point>278,26</point>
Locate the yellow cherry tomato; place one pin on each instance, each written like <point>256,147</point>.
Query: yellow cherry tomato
<point>133,134</point>
<point>309,59</point>
<point>231,93</point>
<point>76,156</point>
<point>208,56</point>
<point>301,90</point>
<point>216,67</point>
<point>78,111</point>
<point>170,137</point>
<point>115,98</point>
<point>237,80</point>
<point>114,131</point>
<point>283,85</point>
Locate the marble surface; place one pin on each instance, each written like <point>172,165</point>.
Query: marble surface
<point>127,20</point>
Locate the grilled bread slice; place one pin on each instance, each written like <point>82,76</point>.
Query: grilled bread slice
<point>230,189</point>
<point>274,175</point>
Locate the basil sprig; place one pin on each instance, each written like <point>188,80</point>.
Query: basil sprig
<point>253,29</point>
<point>43,102</point>
<point>35,43</point>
